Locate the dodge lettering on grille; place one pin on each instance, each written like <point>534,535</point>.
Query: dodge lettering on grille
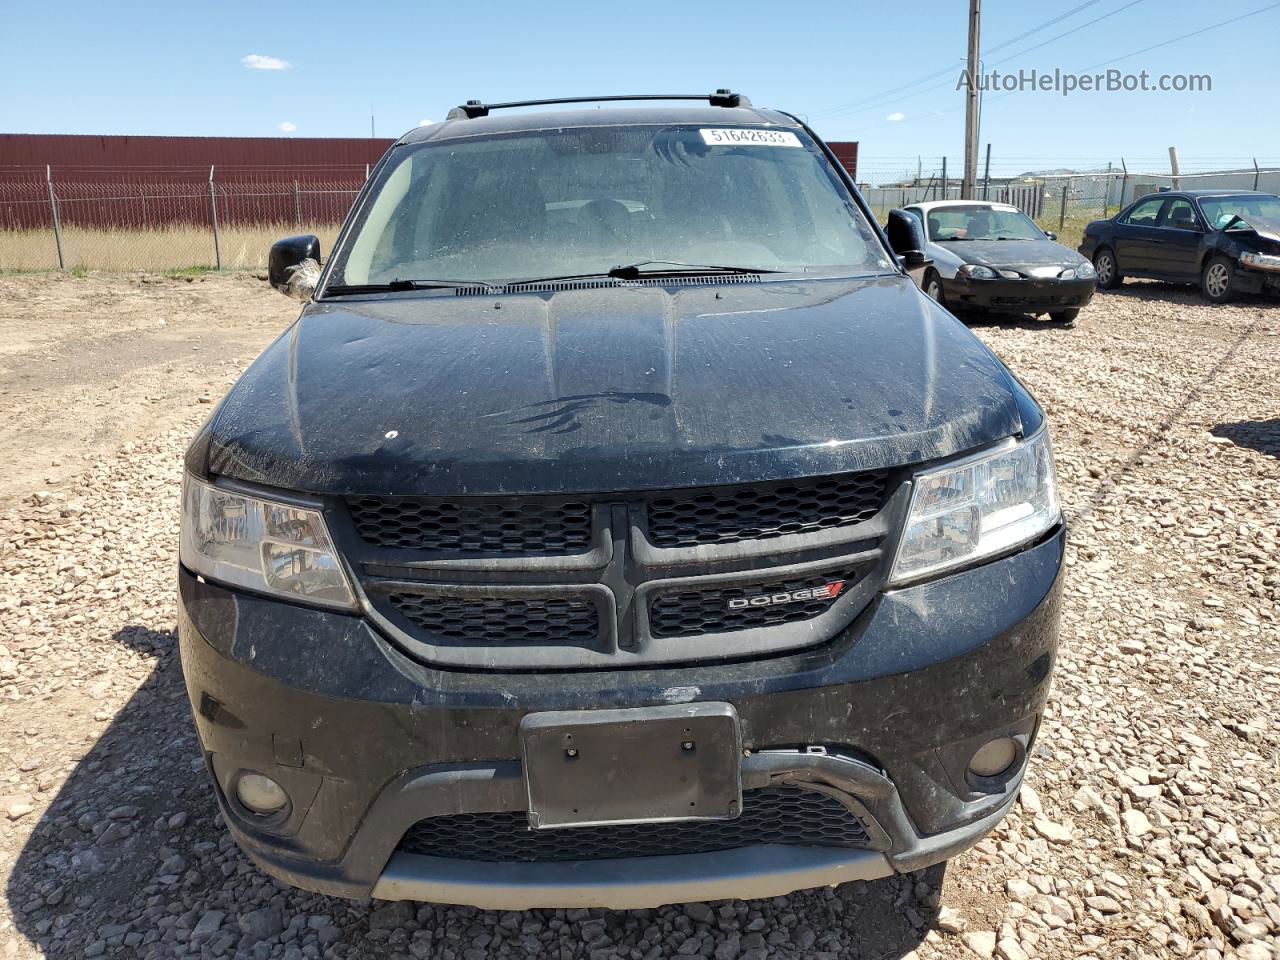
<point>828,591</point>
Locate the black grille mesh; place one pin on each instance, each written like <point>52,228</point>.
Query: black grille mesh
<point>560,621</point>
<point>689,612</point>
<point>729,514</point>
<point>508,526</point>
<point>785,815</point>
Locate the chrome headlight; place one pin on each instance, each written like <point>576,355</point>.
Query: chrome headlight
<point>1260,261</point>
<point>977,507</point>
<point>271,547</point>
<point>976,271</point>
<point>1084,270</point>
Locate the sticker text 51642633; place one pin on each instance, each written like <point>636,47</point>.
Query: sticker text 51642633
<point>748,137</point>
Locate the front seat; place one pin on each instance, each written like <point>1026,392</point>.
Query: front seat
<point>604,223</point>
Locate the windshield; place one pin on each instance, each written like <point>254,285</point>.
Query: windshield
<point>583,200</point>
<point>1219,210</point>
<point>980,223</point>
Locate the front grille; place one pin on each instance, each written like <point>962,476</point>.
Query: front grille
<point>484,621</point>
<point>690,612</point>
<point>762,511</point>
<point>542,526</point>
<point>782,815</point>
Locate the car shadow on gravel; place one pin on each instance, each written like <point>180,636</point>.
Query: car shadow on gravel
<point>130,859</point>
<point>1260,435</point>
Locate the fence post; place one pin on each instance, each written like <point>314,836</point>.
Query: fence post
<point>297,205</point>
<point>1106,192</point>
<point>53,210</point>
<point>986,173</point>
<point>1062,212</point>
<point>1255,173</point>
<point>944,178</point>
<point>213,211</point>
<point>1124,180</point>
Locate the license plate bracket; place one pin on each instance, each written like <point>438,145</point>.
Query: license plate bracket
<point>638,765</point>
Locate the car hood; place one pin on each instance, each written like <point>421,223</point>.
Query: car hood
<point>609,389</point>
<point>1265,227</point>
<point>1012,253</point>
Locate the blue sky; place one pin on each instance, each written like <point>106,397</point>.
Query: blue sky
<point>146,67</point>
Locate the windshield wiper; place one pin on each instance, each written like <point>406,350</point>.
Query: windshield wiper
<point>635,271</point>
<point>398,286</point>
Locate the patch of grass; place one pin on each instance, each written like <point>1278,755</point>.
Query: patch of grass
<point>160,250</point>
<point>189,271</point>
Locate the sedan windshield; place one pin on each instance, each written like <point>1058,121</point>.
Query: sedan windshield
<point>582,201</point>
<point>972,222</point>
<point>1220,210</point>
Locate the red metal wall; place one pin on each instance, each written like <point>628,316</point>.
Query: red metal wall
<point>84,158</point>
<point>846,152</point>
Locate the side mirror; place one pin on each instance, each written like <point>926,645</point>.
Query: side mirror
<point>1051,235</point>
<point>906,237</point>
<point>293,267</point>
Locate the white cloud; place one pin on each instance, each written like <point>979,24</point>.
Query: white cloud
<point>895,117</point>
<point>425,121</point>
<point>256,61</point>
<point>288,126</point>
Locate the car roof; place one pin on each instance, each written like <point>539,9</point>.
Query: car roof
<point>933,204</point>
<point>517,122</point>
<point>1203,193</point>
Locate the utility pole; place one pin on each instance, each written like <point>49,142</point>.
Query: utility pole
<point>970,185</point>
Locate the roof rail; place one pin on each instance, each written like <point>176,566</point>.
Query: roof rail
<point>477,108</point>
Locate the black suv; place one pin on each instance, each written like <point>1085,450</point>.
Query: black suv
<point>617,525</point>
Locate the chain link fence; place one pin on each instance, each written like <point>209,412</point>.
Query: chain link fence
<point>176,220</point>
<point>1062,203</point>
<point>162,224</point>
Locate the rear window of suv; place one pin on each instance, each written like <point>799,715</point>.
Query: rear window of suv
<point>583,200</point>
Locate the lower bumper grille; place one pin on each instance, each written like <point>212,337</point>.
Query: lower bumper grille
<point>782,815</point>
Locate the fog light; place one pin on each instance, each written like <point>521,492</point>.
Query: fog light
<point>994,757</point>
<point>260,794</point>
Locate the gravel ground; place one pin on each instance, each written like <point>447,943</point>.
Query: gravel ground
<point>1150,825</point>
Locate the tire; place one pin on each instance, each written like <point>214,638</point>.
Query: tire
<point>1065,317</point>
<point>1108,270</point>
<point>1216,281</point>
<point>932,287</point>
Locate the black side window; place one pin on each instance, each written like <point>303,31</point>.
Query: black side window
<point>1146,213</point>
<point>1179,215</point>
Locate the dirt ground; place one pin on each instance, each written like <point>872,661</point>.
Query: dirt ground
<point>1150,825</point>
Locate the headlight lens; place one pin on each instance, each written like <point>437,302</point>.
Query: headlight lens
<point>260,544</point>
<point>1263,261</point>
<point>1085,271</point>
<point>976,271</point>
<point>978,507</point>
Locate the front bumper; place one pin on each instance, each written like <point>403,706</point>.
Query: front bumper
<point>1019,296</point>
<point>368,742</point>
<point>1256,278</point>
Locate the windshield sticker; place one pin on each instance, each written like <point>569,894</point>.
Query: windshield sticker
<point>751,137</point>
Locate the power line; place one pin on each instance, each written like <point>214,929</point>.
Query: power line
<point>1014,56</point>
<point>1123,56</point>
<point>948,70</point>
<point>1185,36</point>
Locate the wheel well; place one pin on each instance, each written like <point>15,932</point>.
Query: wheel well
<point>1209,255</point>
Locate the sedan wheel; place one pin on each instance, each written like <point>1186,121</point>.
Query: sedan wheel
<point>1104,265</point>
<point>1216,280</point>
<point>933,287</point>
